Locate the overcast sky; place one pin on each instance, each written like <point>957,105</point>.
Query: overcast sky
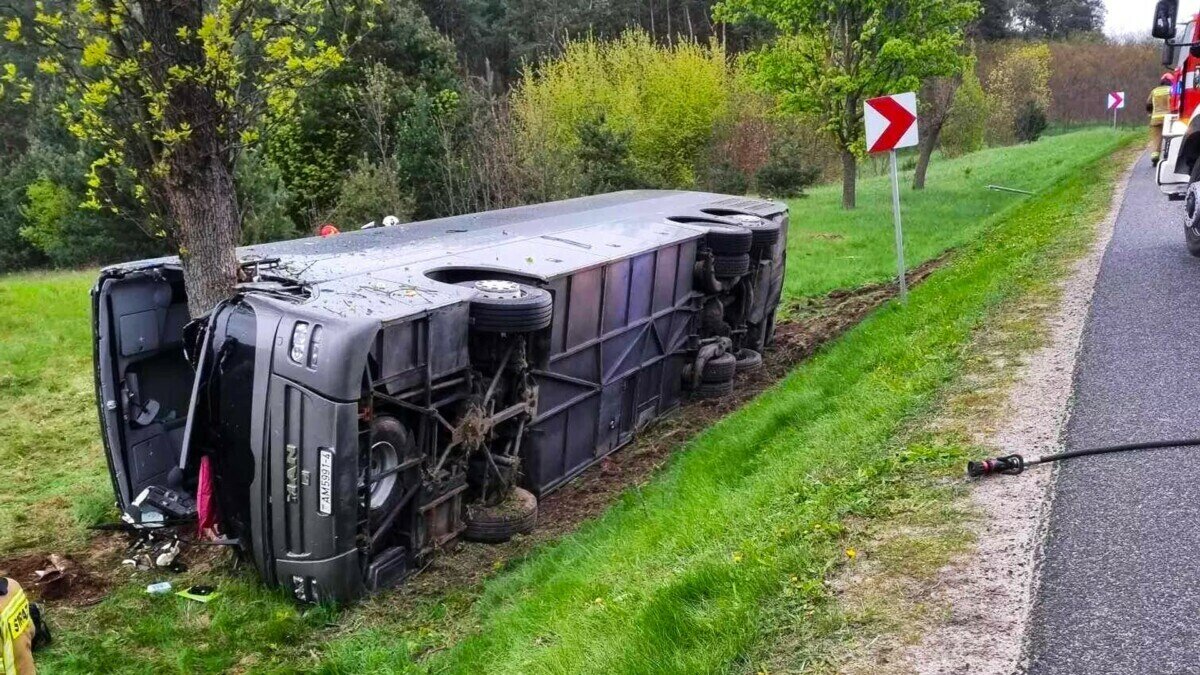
<point>1135,16</point>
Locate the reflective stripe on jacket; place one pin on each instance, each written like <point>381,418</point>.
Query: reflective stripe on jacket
<point>16,632</point>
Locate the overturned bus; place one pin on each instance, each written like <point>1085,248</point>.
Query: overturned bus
<point>367,399</point>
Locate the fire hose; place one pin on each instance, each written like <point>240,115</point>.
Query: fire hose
<point>1012,465</point>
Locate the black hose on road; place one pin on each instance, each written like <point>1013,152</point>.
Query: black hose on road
<point>1012,465</point>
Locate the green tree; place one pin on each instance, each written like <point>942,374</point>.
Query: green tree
<point>169,92</point>
<point>387,102</point>
<point>1060,18</point>
<point>604,159</point>
<point>833,54</point>
<point>667,100</point>
<point>967,123</point>
<point>995,19</point>
<point>1021,76</point>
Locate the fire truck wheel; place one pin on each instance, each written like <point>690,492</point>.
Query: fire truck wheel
<point>391,445</point>
<point>508,307</point>
<point>1191,224</point>
<point>496,524</point>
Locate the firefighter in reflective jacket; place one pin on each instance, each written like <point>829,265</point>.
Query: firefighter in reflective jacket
<point>16,629</point>
<point>1158,104</point>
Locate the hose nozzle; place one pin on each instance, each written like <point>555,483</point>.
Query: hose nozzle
<point>1010,465</point>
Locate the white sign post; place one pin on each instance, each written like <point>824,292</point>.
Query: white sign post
<point>891,124</point>
<point>1116,101</point>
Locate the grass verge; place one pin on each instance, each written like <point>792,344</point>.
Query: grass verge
<point>887,595</point>
<point>681,563</point>
<point>830,249</point>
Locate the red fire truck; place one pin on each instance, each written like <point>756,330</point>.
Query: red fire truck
<point>1179,171</point>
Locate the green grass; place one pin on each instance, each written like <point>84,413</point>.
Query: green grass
<point>678,575</point>
<point>55,477</point>
<point>829,248</point>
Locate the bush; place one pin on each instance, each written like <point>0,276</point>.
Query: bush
<point>724,177</point>
<point>264,200</point>
<point>1030,122</point>
<point>369,193</point>
<point>667,99</point>
<point>967,122</point>
<point>785,175</point>
<point>48,208</point>
<point>604,158</point>
<point>383,104</point>
<point>1021,76</point>
<point>71,236</point>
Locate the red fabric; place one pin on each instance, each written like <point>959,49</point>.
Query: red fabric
<point>329,230</point>
<point>206,506</point>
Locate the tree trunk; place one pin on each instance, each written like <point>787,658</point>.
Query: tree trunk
<point>197,190</point>
<point>208,229</point>
<point>849,176</point>
<point>928,141</point>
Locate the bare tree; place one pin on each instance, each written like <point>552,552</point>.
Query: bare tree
<point>936,100</point>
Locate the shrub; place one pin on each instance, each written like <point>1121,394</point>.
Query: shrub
<point>1022,75</point>
<point>1030,122</point>
<point>369,193</point>
<point>48,208</point>
<point>604,159</point>
<point>785,175</point>
<point>667,99</point>
<point>71,236</point>
<point>264,200</point>
<point>967,122</point>
<point>724,177</point>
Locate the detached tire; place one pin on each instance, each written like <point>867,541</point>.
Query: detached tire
<point>509,307</point>
<point>727,240</point>
<point>714,389</point>
<point>496,524</point>
<point>719,369</point>
<point>748,360</point>
<point>731,266</point>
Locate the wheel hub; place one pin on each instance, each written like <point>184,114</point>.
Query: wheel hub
<point>383,458</point>
<point>499,289</point>
<point>746,219</point>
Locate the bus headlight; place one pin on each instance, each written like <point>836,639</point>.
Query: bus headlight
<point>300,343</point>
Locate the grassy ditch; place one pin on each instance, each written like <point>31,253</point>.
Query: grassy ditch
<point>679,574</point>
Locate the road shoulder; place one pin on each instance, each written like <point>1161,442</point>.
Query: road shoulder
<point>964,605</point>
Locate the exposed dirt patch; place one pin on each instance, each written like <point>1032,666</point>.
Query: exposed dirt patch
<point>57,579</point>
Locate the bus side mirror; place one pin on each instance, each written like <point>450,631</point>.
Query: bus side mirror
<point>1164,19</point>
<point>1169,54</point>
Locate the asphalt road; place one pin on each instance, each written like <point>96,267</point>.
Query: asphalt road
<point>1120,575</point>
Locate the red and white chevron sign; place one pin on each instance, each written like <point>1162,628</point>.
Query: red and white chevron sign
<point>1116,100</point>
<point>891,122</point>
